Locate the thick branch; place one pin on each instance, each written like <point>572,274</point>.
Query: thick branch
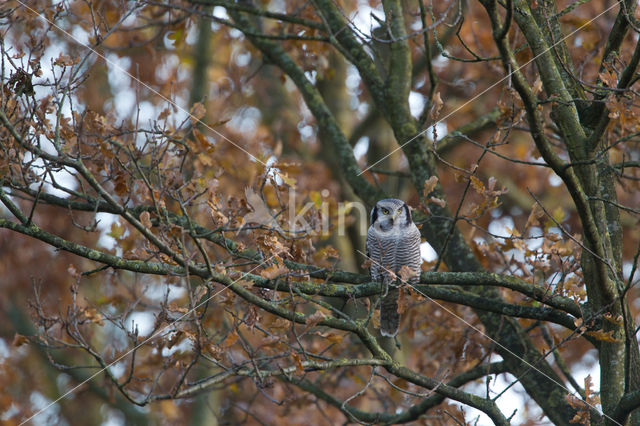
<point>92,254</point>
<point>627,404</point>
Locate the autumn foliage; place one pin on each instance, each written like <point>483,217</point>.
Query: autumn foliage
<point>184,198</point>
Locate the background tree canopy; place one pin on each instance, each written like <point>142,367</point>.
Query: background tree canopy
<point>185,187</point>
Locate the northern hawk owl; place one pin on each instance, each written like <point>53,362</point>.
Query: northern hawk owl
<point>393,241</point>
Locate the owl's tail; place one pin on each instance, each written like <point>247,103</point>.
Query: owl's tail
<point>389,316</point>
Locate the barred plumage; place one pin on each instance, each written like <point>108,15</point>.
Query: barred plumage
<point>393,241</point>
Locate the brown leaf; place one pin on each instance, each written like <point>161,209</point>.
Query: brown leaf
<point>177,308</point>
<point>19,340</point>
<point>609,78</point>
<point>230,340</point>
<point>164,114</point>
<point>145,219</point>
<point>333,337</point>
<point>438,201</point>
<point>65,61</point>
<point>197,112</point>
<point>213,350</point>
<point>274,245</point>
<point>477,184</point>
<point>429,185</point>
<point>94,316</point>
<point>315,318</point>
<point>436,107</point>
<point>175,338</point>
<point>406,273</point>
<point>367,264</point>
<point>199,292</point>
<point>252,317</point>
<point>203,143</point>
<point>170,410</point>
<point>536,213</point>
<point>298,361</point>
<point>602,336</point>
<point>329,252</point>
<point>273,271</point>
<point>121,185</point>
<point>403,301</point>
<point>618,320</point>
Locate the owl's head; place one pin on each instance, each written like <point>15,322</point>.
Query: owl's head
<point>390,213</point>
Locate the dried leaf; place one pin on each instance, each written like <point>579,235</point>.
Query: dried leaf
<point>436,107</point>
<point>602,336</point>
<point>298,361</point>
<point>197,112</point>
<point>367,264</point>
<point>406,273</point>
<point>199,292</point>
<point>121,185</point>
<point>438,201</point>
<point>19,340</point>
<point>145,219</point>
<point>536,213</point>
<point>177,308</point>
<point>477,184</point>
<point>170,410</point>
<point>65,61</point>
<point>93,316</point>
<point>252,317</point>
<point>230,340</point>
<point>273,245</point>
<point>333,337</point>
<point>273,271</point>
<point>204,145</point>
<point>164,114</point>
<point>403,301</point>
<point>288,180</point>
<point>617,320</point>
<point>315,318</point>
<point>537,87</point>
<point>213,350</point>
<point>609,78</point>
<point>175,338</point>
<point>429,185</point>
<point>329,252</point>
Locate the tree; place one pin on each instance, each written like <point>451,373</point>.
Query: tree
<point>192,178</point>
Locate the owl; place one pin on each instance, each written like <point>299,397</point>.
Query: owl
<point>393,241</point>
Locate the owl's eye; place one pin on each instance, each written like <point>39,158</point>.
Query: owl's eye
<point>385,211</point>
<point>400,210</point>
